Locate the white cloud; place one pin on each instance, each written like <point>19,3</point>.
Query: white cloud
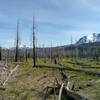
<point>63,17</point>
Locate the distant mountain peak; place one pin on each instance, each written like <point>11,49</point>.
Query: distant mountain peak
<point>95,37</point>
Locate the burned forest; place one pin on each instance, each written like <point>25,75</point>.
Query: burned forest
<point>49,50</point>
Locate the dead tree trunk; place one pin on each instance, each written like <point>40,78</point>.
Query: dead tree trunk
<point>51,52</point>
<point>34,57</point>
<point>26,54</point>
<point>17,43</point>
<point>96,55</point>
<point>0,54</point>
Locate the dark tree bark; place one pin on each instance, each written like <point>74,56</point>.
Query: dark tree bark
<point>17,43</point>
<point>0,53</point>
<point>26,57</point>
<point>96,56</point>
<point>34,55</point>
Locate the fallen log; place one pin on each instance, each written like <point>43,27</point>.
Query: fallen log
<point>66,92</point>
<point>2,88</point>
<point>74,95</point>
<point>94,73</point>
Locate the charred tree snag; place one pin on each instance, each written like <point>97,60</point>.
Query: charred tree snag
<point>17,42</point>
<point>34,55</point>
<point>0,53</point>
<point>26,54</point>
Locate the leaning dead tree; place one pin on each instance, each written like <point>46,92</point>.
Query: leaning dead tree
<point>17,42</point>
<point>34,55</point>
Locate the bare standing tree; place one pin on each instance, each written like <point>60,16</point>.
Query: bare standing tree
<point>17,42</point>
<point>71,47</point>
<point>0,53</point>
<point>26,57</point>
<point>96,55</point>
<point>34,55</point>
<point>51,52</point>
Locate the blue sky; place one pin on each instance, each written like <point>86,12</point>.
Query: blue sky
<point>55,20</point>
